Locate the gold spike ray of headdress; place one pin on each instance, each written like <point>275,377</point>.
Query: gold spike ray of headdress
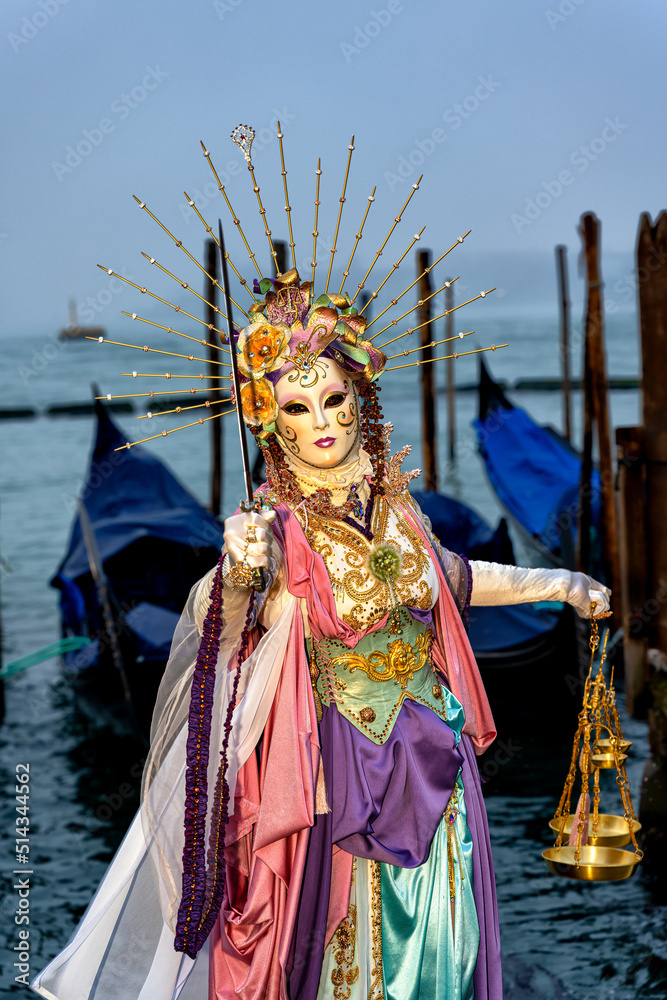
<point>179,244</point>
<point>412,284</point>
<point>421,302</point>
<point>357,238</point>
<point>318,174</point>
<point>211,233</point>
<point>395,267</point>
<point>178,309</point>
<point>447,312</point>
<point>461,354</point>
<point>202,420</point>
<point>154,350</point>
<point>151,394</point>
<point>237,223</point>
<point>181,409</point>
<point>340,211</point>
<point>243,136</point>
<point>170,329</point>
<point>433,343</point>
<point>183,284</point>
<point>397,219</point>
<point>168,375</point>
<point>288,207</point>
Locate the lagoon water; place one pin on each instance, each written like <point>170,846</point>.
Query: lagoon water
<point>561,939</point>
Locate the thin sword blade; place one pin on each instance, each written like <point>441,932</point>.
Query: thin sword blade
<point>247,475</point>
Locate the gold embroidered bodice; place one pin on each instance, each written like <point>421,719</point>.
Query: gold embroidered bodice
<point>361,599</point>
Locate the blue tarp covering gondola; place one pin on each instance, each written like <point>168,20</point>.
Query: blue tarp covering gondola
<point>154,540</point>
<point>461,529</point>
<point>521,650</point>
<point>534,472</point>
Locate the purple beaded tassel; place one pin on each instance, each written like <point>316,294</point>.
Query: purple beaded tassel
<point>217,869</point>
<point>188,937</point>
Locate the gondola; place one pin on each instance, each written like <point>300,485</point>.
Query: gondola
<point>138,542</point>
<point>534,472</point>
<point>527,653</point>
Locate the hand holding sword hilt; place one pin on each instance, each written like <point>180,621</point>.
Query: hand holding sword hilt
<point>251,548</point>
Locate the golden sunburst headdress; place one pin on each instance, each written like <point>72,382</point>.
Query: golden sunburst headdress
<point>288,328</point>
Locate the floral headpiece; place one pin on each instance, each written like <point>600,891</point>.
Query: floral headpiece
<point>288,332</point>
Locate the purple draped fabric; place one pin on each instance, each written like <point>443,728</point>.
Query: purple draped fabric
<point>386,803</point>
<point>387,800</point>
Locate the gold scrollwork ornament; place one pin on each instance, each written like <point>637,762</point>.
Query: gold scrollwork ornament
<point>400,663</point>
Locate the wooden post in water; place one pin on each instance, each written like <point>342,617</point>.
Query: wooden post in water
<point>429,445</point>
<point>280,260</point>
<point>585,488</point>
<point>564,300</point>
<point>451,386</point>
<point>596,371</point>
<point>214,394</point>
<point>652,282</point>
<point>633,560</point>
<point>652,285</point>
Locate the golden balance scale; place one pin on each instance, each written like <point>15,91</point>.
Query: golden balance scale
<point>588,845</point>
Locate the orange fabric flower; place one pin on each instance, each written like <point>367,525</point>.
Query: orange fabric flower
<point>263,348</point>
<point>258,402</point>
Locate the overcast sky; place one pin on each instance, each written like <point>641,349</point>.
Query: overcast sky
<point>521,114</point>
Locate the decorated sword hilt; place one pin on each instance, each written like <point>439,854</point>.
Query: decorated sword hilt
<point>249,506</point>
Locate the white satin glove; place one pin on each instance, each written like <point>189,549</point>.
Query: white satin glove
<point>494,584</point>
<point>584,591</point>
<point>263,551</point>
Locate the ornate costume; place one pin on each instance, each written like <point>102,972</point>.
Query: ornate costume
<point>312,824</point>
<point>357,808</point>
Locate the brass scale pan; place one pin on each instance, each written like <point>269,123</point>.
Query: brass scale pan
<point>600,860</point>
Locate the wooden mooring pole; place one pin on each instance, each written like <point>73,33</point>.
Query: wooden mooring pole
<point>652,286</point>
<point>564,301</point>
<point>429,448</point>
<point>585,489</point>
<point>633,559</point>
<point>596,413</point>
<point>280,260</point>
<point>214,395</point>
<point>652,282</point>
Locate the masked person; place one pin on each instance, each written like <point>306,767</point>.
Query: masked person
<point>312,824</point>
